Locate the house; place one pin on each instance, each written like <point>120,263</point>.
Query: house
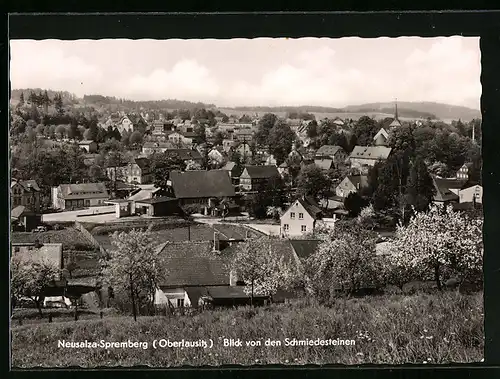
<point>464,171</point>
<point>295,155</point>
<point>24,218</point>
<point>381,138</point>
<point>244,134</point>
<point>217,154</point>
<point>185,155</point>
<point>269,160</point>
<point>473,194</point>
<point>26,193</point>
<point>88,145</point>
<point>254,178</point>
<point>136,172</point>
<point>51,253</point>
<point>227,144</point>
<point>178,139</point>
<point>157,206</point>
<point>324,163</point>
<point>156,147</point>
<point>244,150</point>
<point>131,123</point>
<point>232,169</point>
<point>204,190</point>
<point>336,153</point>
<point>75,196</point>
<point>363,157</point>
<point>300,218</point>
<point>351,183</point>
<point>160,127</point>
<point>447,190</point>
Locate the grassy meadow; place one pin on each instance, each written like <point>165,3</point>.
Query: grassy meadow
<point>392,329</point>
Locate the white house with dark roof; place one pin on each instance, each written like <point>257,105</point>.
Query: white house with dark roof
<point>350,184</point>
<point>300,218</point>
<point>77,196</point>
<point>381,138</point>
<point>336,153</point>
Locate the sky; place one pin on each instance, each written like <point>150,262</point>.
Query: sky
<point>256,72</point>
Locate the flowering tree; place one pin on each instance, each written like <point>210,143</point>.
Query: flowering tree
<point>192,165</point>
<point>134,265</point>
<point>29,278</point>
<point>345,260</point>
<point>438,241</point>
<point>263,269</point>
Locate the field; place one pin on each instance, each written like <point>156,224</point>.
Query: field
<point>392,329</point>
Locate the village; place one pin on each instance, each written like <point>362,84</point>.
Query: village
<point>207,189</point>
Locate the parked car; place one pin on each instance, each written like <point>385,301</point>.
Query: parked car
<point>40,229</point>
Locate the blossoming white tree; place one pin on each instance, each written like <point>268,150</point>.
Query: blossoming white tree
<point>263,269</point>
<point>437,241</point>
<point>345,260</point>
<point>134,266</point>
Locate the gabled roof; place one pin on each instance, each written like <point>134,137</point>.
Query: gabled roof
<point>192,264</point>
<point>324,164</point>
<point>20,210</point>
<point>371,152</point>
<point>144,194</point>
<point>143,163</point>
<point>309,205</point>
<point>88,190</point>
<point>161,145</point>
<point>261,172</point>
<point>444,186</point>
<point>86,142</point>
<point>361,180</point>
<point>304,248</point>
<point>201,184</point>
<point>135,118</point>
<point>184,154</point>
<point>328,150</point>
<point>395,122</point>
<point>28,185</point>
<point>381,132</point>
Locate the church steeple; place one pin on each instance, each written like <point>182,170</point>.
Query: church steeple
<point>396,109</point>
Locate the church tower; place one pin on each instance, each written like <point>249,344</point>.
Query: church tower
<point>395,122</point>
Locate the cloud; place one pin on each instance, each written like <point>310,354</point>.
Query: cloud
<point>43,65</point>
<point>187,80</point>
<point>446,72</point>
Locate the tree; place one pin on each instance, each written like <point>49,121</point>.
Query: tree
<point>17,125</point>
<point>345,260</point>
<point>21,100</point>
<point>30,278</point>
<point>87,135</point>
<point>312,129</point>
<point>263,270</point>
<point>162,165</point>
<point>58,104</point>
<point>135,139</point>
<point>365,129</point>
<point>125,138</point>
<point>439,169</point>
<point>218,138</point>
<point>95,173</point>
<point>440,241</point>
<point>60,131</point>
<point>134,266</point>
<point>45,101</point>
<point>420,187</point>
<point>280,140</point>
<point>265,124</point>
<point>313,181</point>
<point>192,166</point>
<point>245,119</point>
<point>354,203</point>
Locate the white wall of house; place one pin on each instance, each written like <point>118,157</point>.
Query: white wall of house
<point>362,163</point>
<point>296,221</point>
<point>345,187</point>
<point>467,195</point>
<point>176,297</point>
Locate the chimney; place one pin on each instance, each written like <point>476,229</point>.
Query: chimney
<point>216,241</point>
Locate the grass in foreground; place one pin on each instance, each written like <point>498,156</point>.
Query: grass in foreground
<point>436,328</point>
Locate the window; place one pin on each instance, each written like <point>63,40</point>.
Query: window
<point>285,226</point>
<point>303,228</point>
<point>301,216</point>
<point>180,303</point>
<point>292,214</point>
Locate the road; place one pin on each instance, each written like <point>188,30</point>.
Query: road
<point>73,215</point>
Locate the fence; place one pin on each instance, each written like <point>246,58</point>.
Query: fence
<point>89,237</point>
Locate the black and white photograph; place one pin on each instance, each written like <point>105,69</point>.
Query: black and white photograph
<point>211,202</point>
